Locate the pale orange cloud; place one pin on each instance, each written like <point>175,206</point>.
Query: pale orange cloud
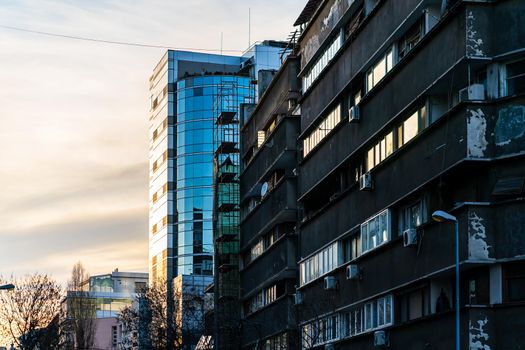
<point>73,121</point>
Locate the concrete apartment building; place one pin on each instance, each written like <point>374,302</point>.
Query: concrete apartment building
<point>268,196</point>
<point>407,107</point>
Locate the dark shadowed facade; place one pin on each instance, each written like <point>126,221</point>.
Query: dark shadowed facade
<point>268,242</point>
<point>407,107</point>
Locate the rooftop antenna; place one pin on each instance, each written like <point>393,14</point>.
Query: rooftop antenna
<point>249,26</point>
<point>221,43</point>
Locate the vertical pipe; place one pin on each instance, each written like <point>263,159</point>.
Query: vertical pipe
<point>457,285</point>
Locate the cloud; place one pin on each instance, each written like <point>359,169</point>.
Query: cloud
<point>118,239</point>
<point>74,120</point>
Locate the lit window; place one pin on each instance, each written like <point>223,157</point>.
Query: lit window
<point>325,127</point>
<point>322,61</point>
<point>389,141</point>
<point>379,70</point>
<point>370,159</point>
<point>261,136</point>
<point>410,128</point>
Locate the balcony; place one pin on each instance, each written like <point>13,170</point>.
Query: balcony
<point>417,163</point>
<point>268,321</point>
<point>278,262</point>
<point>277,152</point>
<point>280,205</point>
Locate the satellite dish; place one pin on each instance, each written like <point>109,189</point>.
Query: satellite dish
<point>264,189</point>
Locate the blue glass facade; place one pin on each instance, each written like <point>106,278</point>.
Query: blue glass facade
<point>194,134</point>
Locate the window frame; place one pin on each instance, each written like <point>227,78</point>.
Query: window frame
<point>365,229</point>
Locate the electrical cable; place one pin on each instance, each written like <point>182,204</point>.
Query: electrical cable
<point>112,42</point>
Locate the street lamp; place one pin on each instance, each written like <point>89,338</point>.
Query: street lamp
<point>442,216</point>
<point>7,287</point>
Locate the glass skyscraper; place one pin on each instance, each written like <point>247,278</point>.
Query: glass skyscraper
<point>196,99</point>
<point>185,90</point>
<point>184,87</point>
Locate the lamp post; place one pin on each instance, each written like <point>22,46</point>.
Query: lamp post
<point>442,216</point>
<point>7,287</point>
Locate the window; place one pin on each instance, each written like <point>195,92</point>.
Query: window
<point>261,137</point>
<point>265,297</point>
<point>320,264</point>
<point>478,286</point>
<point>160,161</point>
<point>323,61</point>
<point>396,138</point>
<point>516,77</point>
<point>412,126</point>
<point>326,125</point>
<point>412,215</point>
<point>278,342</point>
<point>257,249</point>
<point>375,231</point>
<point>380,151</point>
<point>320,331</point>
<point>414,304</point>
<point>379,70</point>
<point>160,129</point>
<point>352,248</point>
<point>515,282</point>
<point>373,315</point>
<point>266,241</point>
<point>411,38</point>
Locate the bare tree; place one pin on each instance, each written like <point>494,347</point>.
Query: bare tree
<point>81,309</point>
<point>146,321</point>
<point>29,315</point>
<point>321,322</point>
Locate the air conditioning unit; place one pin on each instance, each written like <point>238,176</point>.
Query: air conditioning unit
<point>352,272</point>
<point>330,283</point>
<point>410,237</point>
<point>380,339</point>
<point>329,347</point>
<point>473,92</point>
<point>354,114</point>
<point>298,298</point>
<point>365,182</point>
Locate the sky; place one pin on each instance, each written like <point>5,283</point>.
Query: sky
<point>73,121</point>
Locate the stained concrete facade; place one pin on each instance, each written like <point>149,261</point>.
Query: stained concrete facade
<point>407,107</point>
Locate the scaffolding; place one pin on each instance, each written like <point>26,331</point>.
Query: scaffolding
<point>230,96</point>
